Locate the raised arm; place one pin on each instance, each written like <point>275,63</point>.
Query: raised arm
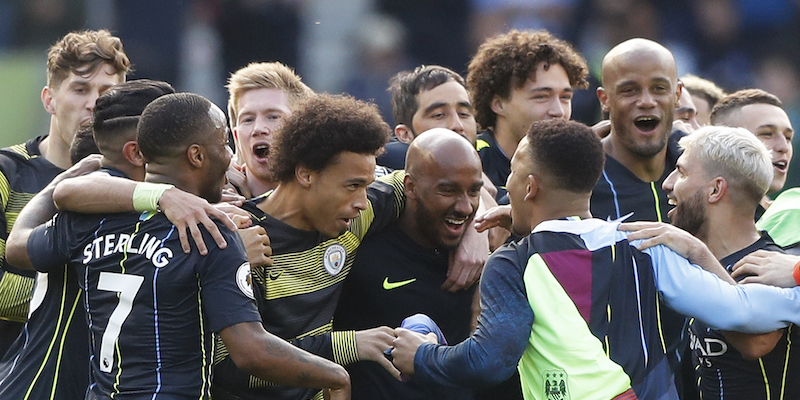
<point>270,358</point>
<point>96,193</point>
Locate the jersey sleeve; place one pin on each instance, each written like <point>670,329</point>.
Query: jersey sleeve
<point>748,308</point>
<point>386,201</point>
<point>15,288</point>
<point>48,246</point>
<point>225,283</point>
<point>492,353</point>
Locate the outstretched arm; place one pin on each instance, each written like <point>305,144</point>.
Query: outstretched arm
<point>106,194</point>
<point>270,358</point>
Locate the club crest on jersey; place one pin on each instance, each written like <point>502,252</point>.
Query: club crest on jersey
<point>555,384</point>
<point>244,280</point>
<point>334,258</point>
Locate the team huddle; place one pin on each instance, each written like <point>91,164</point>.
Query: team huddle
<point>300,248</point>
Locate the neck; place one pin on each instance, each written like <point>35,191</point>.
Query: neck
<point>286,205</point>
<point>728,231</point>
<point>560,205</point>
<point>54,149</point>
<point>259,186</point>
<point>648,169</point>
<point>505,137</point>
<point>133,172</point>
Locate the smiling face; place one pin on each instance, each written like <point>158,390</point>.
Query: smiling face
<point>686,188</point>
<point>72,101</point>
<point>771,125</point>
<point>549,96</point>
<point>260,114</point>
<point>445,106</point>
<point>338,193</point>
<point>446,194</point>
<point>640,92</point>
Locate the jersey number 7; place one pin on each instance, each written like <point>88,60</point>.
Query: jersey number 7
<point>127,286</point>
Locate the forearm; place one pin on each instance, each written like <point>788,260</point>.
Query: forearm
<point>93,194</point>
<point>753,346</point>
<point>38,211</point>
<point>270,358</point>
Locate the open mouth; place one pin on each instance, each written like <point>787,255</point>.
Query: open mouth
<point>781,165</point>
<point>261,151</point>
<point>646,124</point>
<point>455,225</point>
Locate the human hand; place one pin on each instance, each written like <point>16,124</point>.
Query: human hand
<point>405,348</point>
<point>256,242</point>
<point>466,261</point>
<point>767,267</point>
<point>499,216</point>
<point>186,211</point>
<point>237,179</point>
<point>602,128</point>
<point>371,344</point>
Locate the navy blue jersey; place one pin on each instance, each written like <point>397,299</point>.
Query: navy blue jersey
<point>394,156</point>
<point>151,308</point>
<point>723,373</point>
<point>23,173</point>
<point>496,164</point>
<point>50,359</point>
<point>393,277</point>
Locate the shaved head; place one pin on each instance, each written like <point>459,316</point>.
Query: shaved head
<point>633,50</point>
<point>442,147</point>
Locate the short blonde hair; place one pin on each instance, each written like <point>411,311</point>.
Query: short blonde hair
<point>271,75</point>
<point>736,155</point>
<point>82,53</point>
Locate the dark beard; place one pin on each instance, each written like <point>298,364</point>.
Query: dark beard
<point>425,222</point>
<point>690,215</point>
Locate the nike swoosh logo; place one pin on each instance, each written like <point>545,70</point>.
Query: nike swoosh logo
<point>274,275</point>
<point>394,285</point>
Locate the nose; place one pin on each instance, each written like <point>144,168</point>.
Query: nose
<point>782,144</point>
<point>92,100</point>
<point>669,183</point>
<point>261,126</point>
<point>463,205</point>
<point>456,125</point>
<point>556,108</point>
<point>360,199</point>
<point>647,100</point>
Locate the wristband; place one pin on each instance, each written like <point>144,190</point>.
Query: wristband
<point>796,273</point>
<point>146,195</point>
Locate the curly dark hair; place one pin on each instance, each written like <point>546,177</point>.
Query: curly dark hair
<point>320,128</point>
<point>555,144</point>
<point>406,85</point>
<point>736,100</point>
<point>506,61</point>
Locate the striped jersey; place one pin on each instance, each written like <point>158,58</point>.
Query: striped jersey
<point>23,173</point>
<point>297,295</point>
<point>572,305</point>
<point>151,308</point>
<point>49,360</point>
<point>722,371</point>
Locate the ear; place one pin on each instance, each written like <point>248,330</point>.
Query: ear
<point>678,92</point>
<point>532,188</point>
<point>603,97</point>
<point>305,177</point>
<point>131,152</point>
<point>410,186</point>
<point>195,154</point>
<point>498,105</point>
<point>404,133</point>
<point>47,100</point>
<point>718,190</point>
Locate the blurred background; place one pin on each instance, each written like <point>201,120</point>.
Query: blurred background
<point>355,46</point>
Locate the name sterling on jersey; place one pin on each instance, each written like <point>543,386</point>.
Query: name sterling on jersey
<point>109,244</point>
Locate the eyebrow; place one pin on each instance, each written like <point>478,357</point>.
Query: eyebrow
<point>550,89</point>
<point>773,126</point>
<point>440,104</point>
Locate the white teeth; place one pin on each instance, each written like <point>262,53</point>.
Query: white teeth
<point>672,202</point>
<point>454,221</point>
<point>780,164</point>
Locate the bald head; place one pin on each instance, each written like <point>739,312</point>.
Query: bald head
<point>633,51</point>
<point>443,184</point>
<point>442,147</point>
